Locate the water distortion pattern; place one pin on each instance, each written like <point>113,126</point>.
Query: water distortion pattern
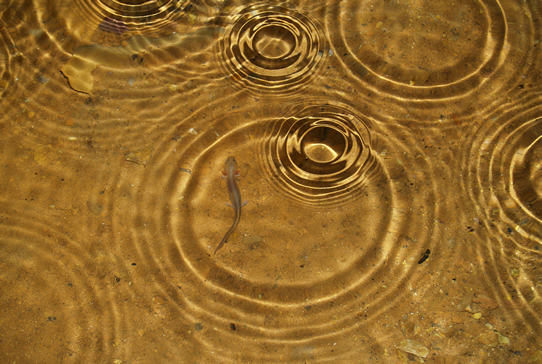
<point>389,155</point>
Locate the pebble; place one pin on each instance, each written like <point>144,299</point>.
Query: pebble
<point>503,339</point>
<point>414,347</point>
<point>488,338</point>
<point>468,306</point>
<point>45,155</point>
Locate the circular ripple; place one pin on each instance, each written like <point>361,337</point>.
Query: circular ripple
<point>504,166</point>
<point>438,51</point>
<point>129,79</point>
<point>512,155</point>
<point>53,291</point>
<point>526,171</point>
<point>333,265</point>
<point>134,15</point>
<point>112,22</point>
<point>321,153</point>
<point>7,55</point>
<point>272,48</point>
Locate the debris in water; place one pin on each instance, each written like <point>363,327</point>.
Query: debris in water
<point>425,256</point>
<point>413,347</point>
<point>142,157</point>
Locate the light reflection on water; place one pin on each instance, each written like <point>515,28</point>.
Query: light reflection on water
<point>388,153</point>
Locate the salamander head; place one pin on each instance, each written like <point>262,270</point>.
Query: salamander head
<point>231,163</point>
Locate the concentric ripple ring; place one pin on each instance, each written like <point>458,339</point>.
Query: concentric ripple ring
<point>382,44</point>
<point>515,176</point>
<point>272,48</point>
<point>320,153</point>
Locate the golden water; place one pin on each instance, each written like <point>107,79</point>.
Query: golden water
<point>390,154</point>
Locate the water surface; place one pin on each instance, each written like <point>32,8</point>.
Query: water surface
<point>389,152</point>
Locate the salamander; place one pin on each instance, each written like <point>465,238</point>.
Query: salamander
<point>230,171</point>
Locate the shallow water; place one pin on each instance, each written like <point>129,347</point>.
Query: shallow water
<point>389,152</point>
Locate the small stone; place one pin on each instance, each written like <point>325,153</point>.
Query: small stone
<point>503,339</point>
<point>414,347</point>
<point>488,338</point>
<point>173,87</point>
<point>31,115</point>
<point>45,155</point>
<point>198,326</point>
<point>514,272</point>
<point>468,306</point>
<point>477,316</point>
